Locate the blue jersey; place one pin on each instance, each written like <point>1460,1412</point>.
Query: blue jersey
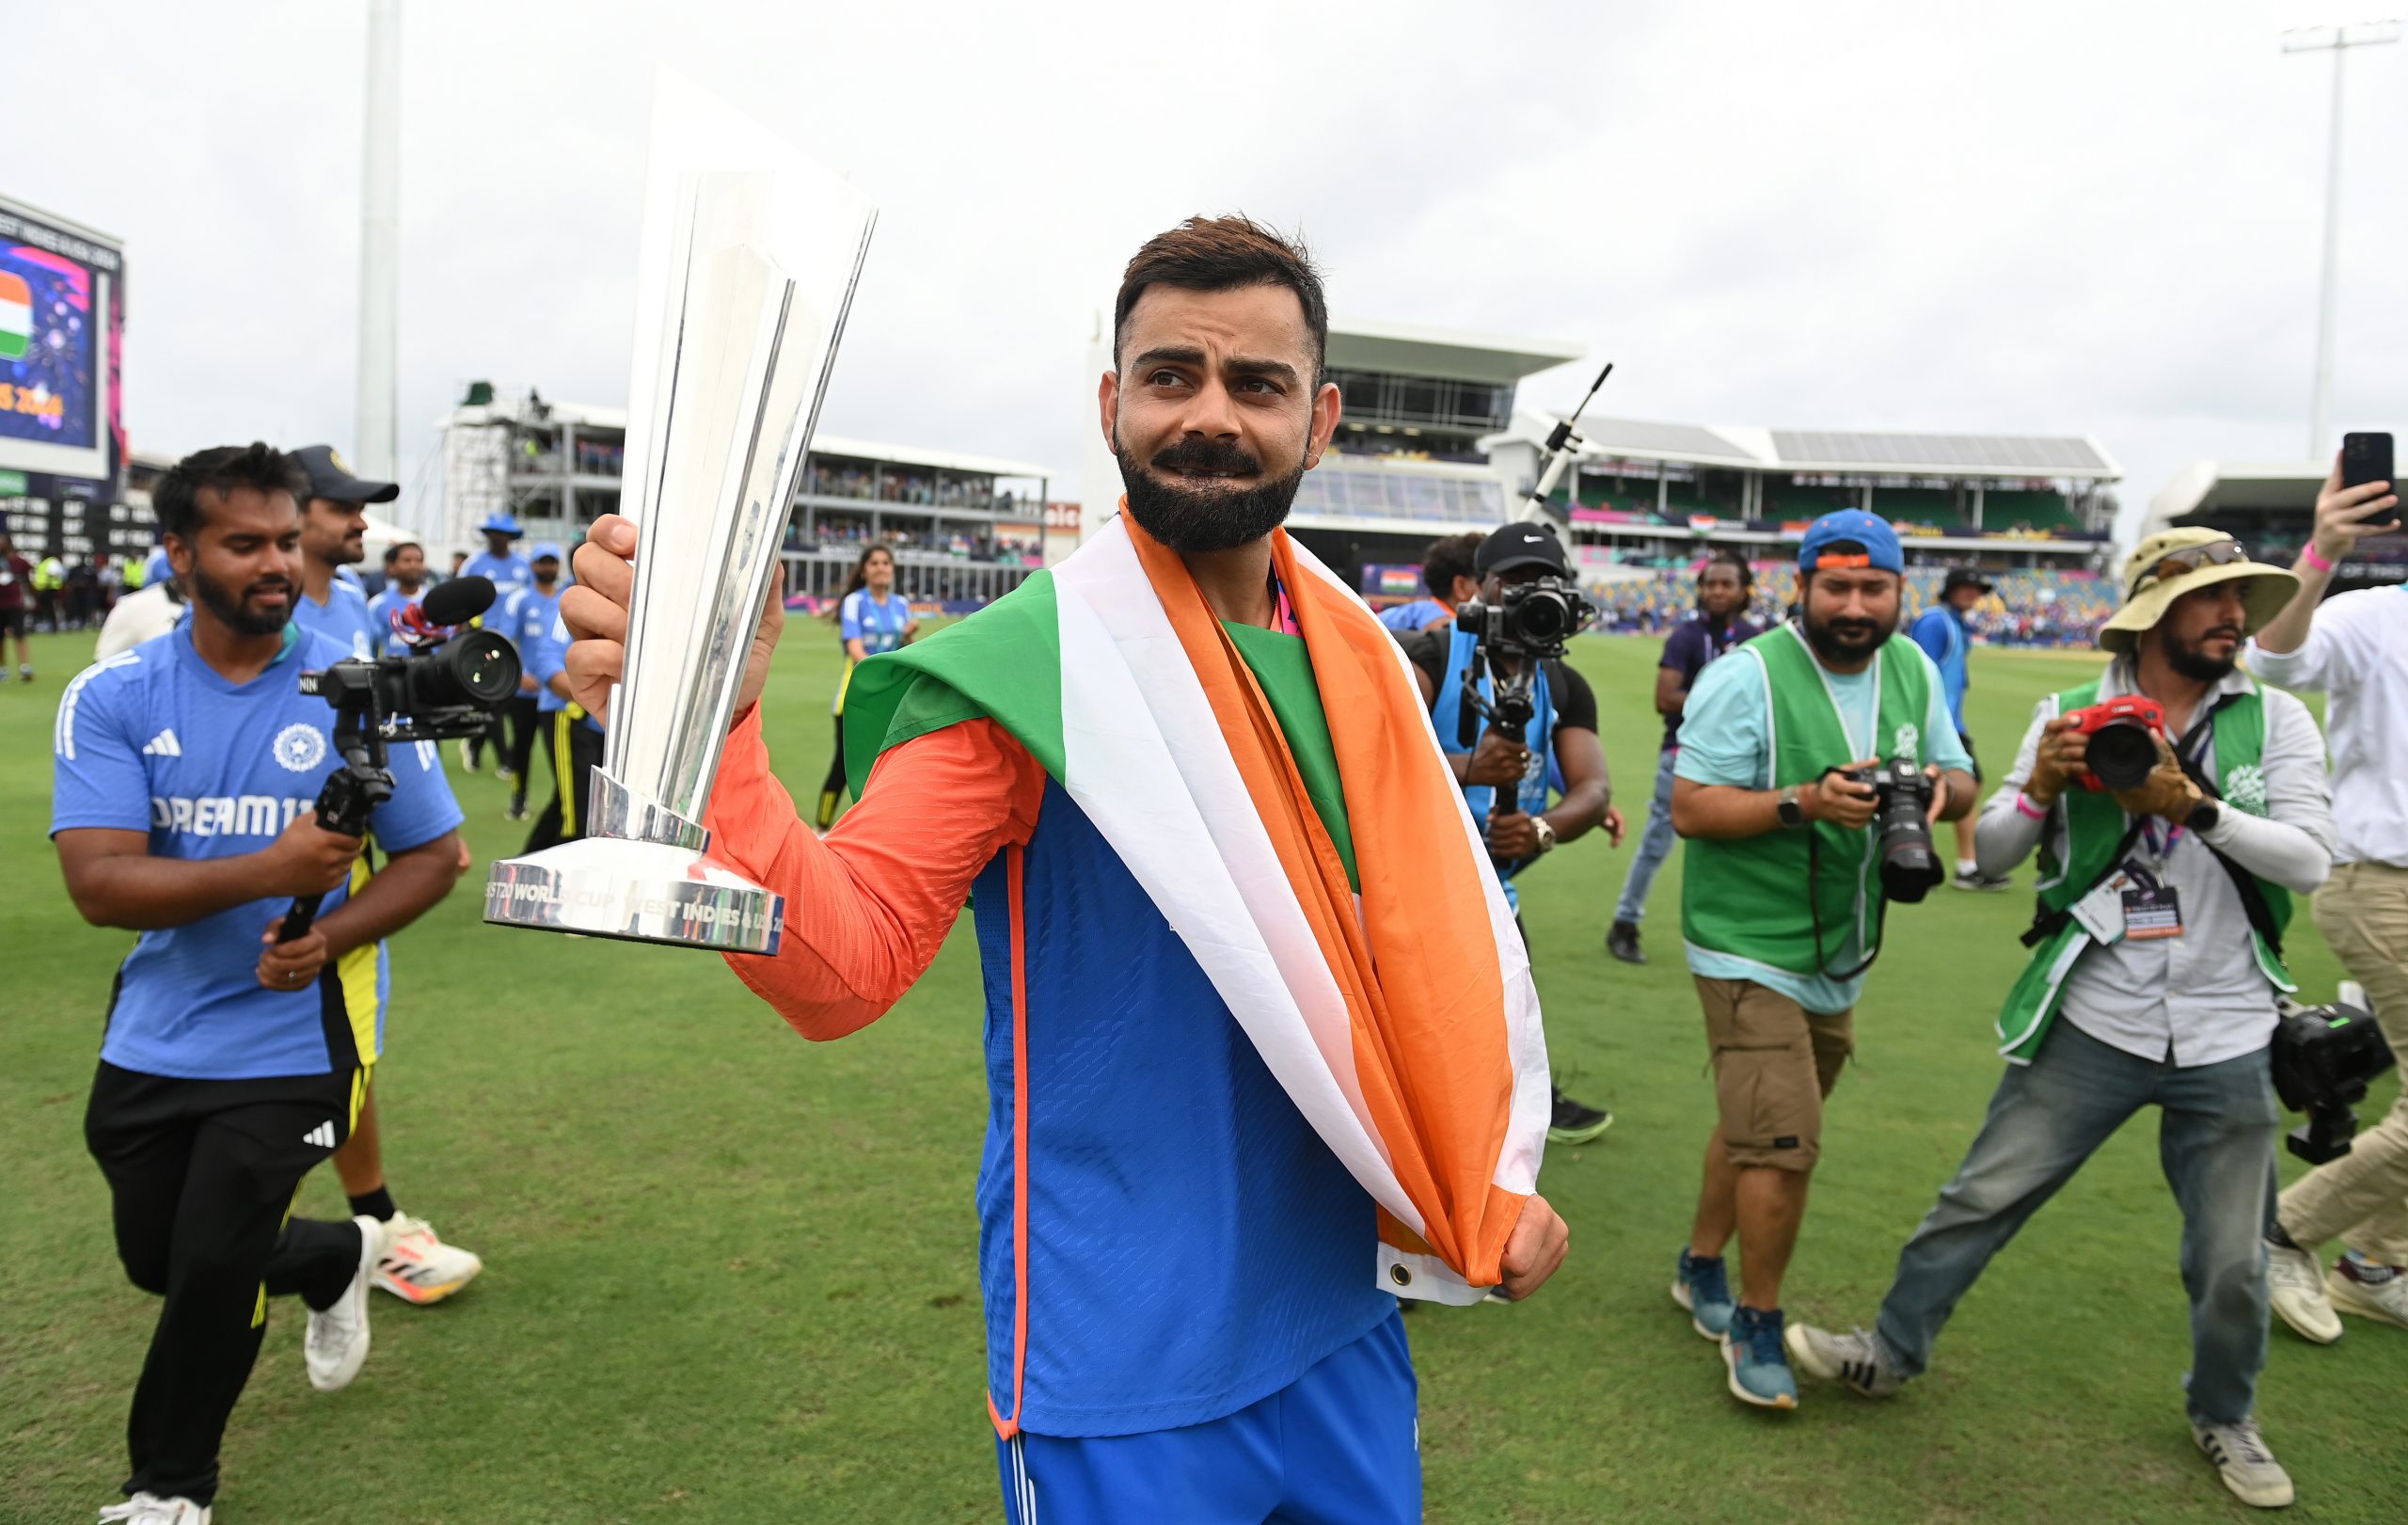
<point>1940,631</point>
<point>507,572</point>
<point>156,741</point>
<point>877,624</point>
<point>543,656</point>
<point>342,618</point>
<point>1417,615</point>
<point>381,610</point>
<point>523,616</point>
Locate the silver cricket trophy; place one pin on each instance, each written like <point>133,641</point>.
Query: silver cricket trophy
<point>750,256</point>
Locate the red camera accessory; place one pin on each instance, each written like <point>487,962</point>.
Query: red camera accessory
<point>410,623</point>
<point>2123,734</point>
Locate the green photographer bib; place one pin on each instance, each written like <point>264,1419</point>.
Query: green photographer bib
<point>2094,825</point>
<point>1750,898</point>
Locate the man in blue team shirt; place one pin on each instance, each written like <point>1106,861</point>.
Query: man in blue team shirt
<point>1724,585</point>
<point>1940,631</point>
<point>572,739</point>
<point>523,616</point>
<point>507,570</point>
<point>405,584</point>
<point>1449,573</point>
<point>185,776</point>
<point>418,1266</point>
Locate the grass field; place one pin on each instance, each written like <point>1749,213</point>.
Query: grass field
<point>731,1275</point>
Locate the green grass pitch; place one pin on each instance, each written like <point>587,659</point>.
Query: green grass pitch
<point>731,1275</point>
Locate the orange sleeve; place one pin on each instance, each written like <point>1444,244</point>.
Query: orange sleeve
<point>868,905</point>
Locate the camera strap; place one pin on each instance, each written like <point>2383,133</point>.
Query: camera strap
<point>1814,913</point>
<point>2244,883</point>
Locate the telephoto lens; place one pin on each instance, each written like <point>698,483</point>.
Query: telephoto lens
<point>2122,754</point>
<point>476,667</point>
<point>1911,866</point>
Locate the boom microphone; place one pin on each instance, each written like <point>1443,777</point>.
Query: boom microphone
<point>458,601</point>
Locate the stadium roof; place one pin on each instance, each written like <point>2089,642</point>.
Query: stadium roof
<point>1850,453</point>
<point>2202,487</point>
<point>1413,349</point>
<point>515,410</point>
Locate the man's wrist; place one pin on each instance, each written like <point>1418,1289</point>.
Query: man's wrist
<point>2316,559</point>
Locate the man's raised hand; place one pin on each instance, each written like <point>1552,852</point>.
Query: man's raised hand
<point>596,612</point>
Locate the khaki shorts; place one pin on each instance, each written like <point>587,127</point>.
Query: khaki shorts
<point>1774,1061</point>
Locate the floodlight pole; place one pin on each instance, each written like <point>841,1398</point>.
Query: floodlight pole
<point>374,446</point>
<point>2336,40</point>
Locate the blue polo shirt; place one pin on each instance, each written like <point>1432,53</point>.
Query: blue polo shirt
<point>156,741</point>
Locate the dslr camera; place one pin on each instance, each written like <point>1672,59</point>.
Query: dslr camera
<point>1533,620</point>
<point>1902,792</point>
<point>2324,1058</point>
<point>2123,734</point>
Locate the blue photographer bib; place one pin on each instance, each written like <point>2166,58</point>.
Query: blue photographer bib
<point>156,741</point>
<point>1530,795</point>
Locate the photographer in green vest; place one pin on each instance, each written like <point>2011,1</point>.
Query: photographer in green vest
<point>2156,960</point>
<point>1782,902</point>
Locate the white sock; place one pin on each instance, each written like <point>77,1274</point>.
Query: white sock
<point>1967,865</point>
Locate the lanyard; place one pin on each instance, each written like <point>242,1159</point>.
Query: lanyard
<point>2188,749</point>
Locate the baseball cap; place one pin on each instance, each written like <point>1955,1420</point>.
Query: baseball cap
<point>1870,531</point>
<point>1521,544</point>
<point>500,522</point>
<point>330,477</point>
<point>545,548</point>
<point>1963,577</point>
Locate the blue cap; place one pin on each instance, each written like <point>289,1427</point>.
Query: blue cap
<point>500,524</point>
<point>1870,531</point>
<point>545,548</point>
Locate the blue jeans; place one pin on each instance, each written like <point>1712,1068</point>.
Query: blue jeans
<point>2216,1144</point>
<point>1654,843</point>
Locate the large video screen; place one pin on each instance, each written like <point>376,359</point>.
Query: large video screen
<point>62,321</point>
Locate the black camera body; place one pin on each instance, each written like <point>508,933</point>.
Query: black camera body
<point>1533,622</point>
<point>2324,1058</point>
<point>1911,866</point>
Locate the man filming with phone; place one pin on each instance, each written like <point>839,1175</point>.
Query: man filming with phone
<point>2355,647</point>
<point>2176,806</point>
<point>1558,741</point>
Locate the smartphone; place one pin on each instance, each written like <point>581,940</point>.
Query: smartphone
<point>2366,458</point>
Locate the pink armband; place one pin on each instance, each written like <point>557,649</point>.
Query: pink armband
<point>2315,558</point>
<point>2024,803</point>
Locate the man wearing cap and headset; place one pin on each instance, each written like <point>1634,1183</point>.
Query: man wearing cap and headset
<point>2157,958</point>
<point>507,570</point>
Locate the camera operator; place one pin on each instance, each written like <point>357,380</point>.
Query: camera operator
<point>418,1266</point>
<point>1759,792</point>
<point>186,772</point>
<point>1724,585</point>
<point>2355,647</point>
<point>1560,741</point>
<point>1450,571</point>
<point>2156,962</point>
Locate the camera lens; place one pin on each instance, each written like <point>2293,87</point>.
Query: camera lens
<point>1544,618</point>
<point>475,668</point>
<point>2122,754</point>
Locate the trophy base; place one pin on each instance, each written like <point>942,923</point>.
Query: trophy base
<point>642,892</point>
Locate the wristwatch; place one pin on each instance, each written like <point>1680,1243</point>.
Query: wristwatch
<point>1546,833</point>
<point>1791,807</point>
<point>2203,816</point>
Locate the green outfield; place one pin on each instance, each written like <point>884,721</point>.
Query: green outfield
<point>731,1275</point>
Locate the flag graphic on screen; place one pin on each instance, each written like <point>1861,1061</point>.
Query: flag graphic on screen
<point>16,316</point>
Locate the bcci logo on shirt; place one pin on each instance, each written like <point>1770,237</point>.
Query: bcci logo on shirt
<point>300,747</point>
<point>2244,789</point>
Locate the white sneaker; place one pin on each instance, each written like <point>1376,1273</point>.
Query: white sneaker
<point>1854,1357</point>
<point>419,1268</point>
<point>148,1509</point>
<point>337,1338</point>
<point>2387,1300</point>
<point>2296,1288</point>
<point>2247,1468</point>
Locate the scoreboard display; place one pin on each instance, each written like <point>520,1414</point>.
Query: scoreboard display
<point>62,436</point>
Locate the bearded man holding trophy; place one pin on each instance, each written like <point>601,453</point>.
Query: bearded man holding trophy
<point>1262,1049</point>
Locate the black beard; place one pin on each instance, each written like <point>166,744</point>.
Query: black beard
<point>234,613</point>
<point>2194,664</point>
<point>1198,523</point>
<point>1851,645</point>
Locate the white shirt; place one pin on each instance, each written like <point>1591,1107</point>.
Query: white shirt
<point>2356,651</point>
<point>139,616</point>
<point>2199,997</point>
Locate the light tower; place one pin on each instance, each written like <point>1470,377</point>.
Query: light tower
<point>379,253</point>
<point>2338,41</point>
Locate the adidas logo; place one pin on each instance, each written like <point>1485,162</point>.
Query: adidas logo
<point>164,745</point>
<point>323,1135</point>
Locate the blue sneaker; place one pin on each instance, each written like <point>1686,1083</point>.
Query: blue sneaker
<point>1759,1366</point>
<point>1703,1287</point>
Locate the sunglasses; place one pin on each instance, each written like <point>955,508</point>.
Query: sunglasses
<point>2182,563</point>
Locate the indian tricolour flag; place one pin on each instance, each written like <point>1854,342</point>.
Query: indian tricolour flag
<point>16,316</point>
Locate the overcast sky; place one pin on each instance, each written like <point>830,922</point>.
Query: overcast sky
<point>2086,218</point>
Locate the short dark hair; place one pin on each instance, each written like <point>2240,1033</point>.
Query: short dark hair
<point>1449,559</point>
<point>175,497</point>
<point>1727,557</point>
<point>1224,254</point>
<point>393,552</point>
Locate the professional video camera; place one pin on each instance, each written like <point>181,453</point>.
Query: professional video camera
<point>2324,1058</point>
<point>1532,623</point>
<point>2123,734</point>
<point>448,691</point>
<point>1902,792</point>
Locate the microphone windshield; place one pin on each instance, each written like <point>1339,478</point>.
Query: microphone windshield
<point>458,601</point>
